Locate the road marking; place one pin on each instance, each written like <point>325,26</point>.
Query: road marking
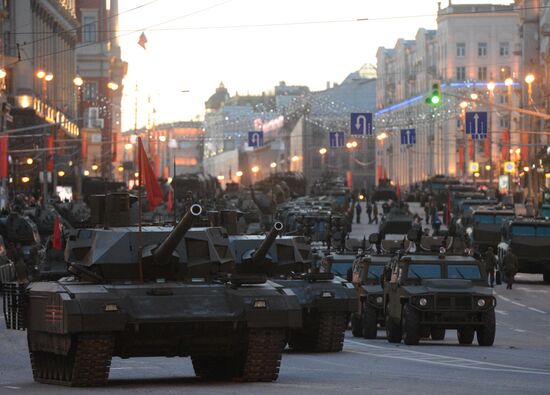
<point>134,367</point>
<point>544,291</point>
<point>12,387</point>
<point>501,312</point>
<point>434,359</point>
<point>517,304</point>
<point>504,298</point>
<point>520,330</point>
<point>537,310</point>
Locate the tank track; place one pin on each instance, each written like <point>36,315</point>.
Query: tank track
<point>323,333</point>
<point>263,355</point>
<point>86,365</point>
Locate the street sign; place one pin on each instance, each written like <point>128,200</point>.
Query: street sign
<point>336,139</point>
<point>476,122</point>
<point>509,167</point>
<point>478,136</point>
<point>474,167</point>
<point>361,123</point>
<point>408,136</point>
<point>255,139</point>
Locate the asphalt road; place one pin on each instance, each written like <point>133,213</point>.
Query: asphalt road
<point>518,363</point>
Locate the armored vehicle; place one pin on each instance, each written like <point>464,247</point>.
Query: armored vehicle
<point>326,300</point>
<point>367,276</point>
<point>530,242</point>
<point>153,291</point>
<point>384,191</point>
<point>426,294</point>
<point>485,226</point>
<point>396,221</point>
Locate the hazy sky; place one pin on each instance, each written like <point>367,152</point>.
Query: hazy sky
<point>194,44</point>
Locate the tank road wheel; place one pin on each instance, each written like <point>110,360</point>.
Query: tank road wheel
<point>213,367</point>
<point>356,325</point>
<point>330,332</point>
<point>486,333</point>
<point>465,335</point>
<point>393,330</point>
<point>86,365</point>
<point>411,325</point>
<point>370,322</point>
<point>438,333</point>
<point>262,358</point>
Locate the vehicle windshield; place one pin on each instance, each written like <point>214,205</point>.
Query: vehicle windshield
<point>423,271</point>
<point>500,218</point>
<point>467,272</point>
<point>484,218</point>
<point>341,269</point>
<point>523,230</point>
<point>543,231</point>
<point>375,271</point>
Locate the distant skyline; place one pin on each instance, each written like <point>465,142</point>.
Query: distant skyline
<point>194,45</point>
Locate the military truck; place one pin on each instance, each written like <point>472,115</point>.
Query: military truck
<point>485,226</point>
<point>154,291</point>
<point>530,242</point>
<point>326,300</point>
<point>367,279</point>
<point>426,294</point>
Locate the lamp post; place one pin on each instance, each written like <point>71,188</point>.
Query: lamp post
<point>509,82</point>
<point>491,88</point>
<point>466,159</point>
<point>78,82</point>
<point>323,152</point>
<point>533,138</point>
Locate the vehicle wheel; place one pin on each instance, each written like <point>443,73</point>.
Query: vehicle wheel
<point>356,325</point>
<point>465,335</point>
<point>486,333</point>
<point>370,322</point>
<point>438,333</point>
<point>411,325</point>
<point>393,330</point>
<point>546,277</point>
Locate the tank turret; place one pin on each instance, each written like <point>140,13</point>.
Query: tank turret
<point>252,252</point>
<point>259,255</point>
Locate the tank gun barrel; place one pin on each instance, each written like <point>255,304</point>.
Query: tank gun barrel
<point>165,250</point>
<point>261,252</point>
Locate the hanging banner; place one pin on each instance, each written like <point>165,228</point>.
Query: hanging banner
<point>4,139</point>
<point>50,163</point>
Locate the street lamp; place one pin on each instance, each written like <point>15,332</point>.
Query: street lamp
<point>40,74</point>
<point>382,136</point>
<point>323,151</point>
<point>3,73</point>
<point>128,146</point>
<point>95,167</point>
<point>30,161</point>
<point>239,173</point>
<point>295,158</point>
<point>48,77</point>
<point>25,179</point>
<point>273,165</point>
<point>78,81</point>
<point>86,172</point>
<point>491,86</point>
<point>61,173</point>
<point>255,169</point>
<point>112,85</point>
<point>474,96</point>
<point>463,105</point>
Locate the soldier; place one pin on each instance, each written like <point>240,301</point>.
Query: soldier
<point>510,263</point>
<point>375,212</point>
<point>358,212</point>
<point>490,265</point>
<point>369,212</point>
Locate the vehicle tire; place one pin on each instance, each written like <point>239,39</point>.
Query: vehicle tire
<point>438,333</point>
<point>465,335</point>
<point>393,330</point>
<point>486,333</point>
<point>546,277</point>
<point>411,325</point>
<point>356,325</point>
<point>370,322</point>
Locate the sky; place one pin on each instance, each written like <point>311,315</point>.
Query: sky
<point>251,45</point>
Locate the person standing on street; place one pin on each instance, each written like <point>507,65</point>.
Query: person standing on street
<point>358,212</point>
<point>375,212</point>
<point>510,267</point>
<point>427,212</point>
<point>369,212</point>
<point>490,265</point>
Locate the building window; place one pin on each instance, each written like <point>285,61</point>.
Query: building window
<point>504,122</point>
<point>482,49</point>
<point>504,72</point>
<point>482,73</point>
<point>461,73</point>
<point>89,29</point>
<point>503,99</point>
<point>460,50</point>
<point>504,49</point>
<point>90,91</point>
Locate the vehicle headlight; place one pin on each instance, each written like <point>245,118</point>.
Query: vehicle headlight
<point>481,302</point>
<point>326,294</point>
<point>379,299</point>
<point>423,302</point>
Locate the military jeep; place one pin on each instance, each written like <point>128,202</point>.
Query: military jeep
<point>426,294</point>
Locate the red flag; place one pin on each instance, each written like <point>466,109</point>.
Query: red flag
<point>51,163</point>
<point>142,40</point>
<point>4,155</point>
<point>170,202</point>
<point>448,210</point>
<point>57,243</point>
<point>147,178</point>
<point>398,192</point>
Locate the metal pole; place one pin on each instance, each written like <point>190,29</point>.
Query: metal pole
<point>45,173</point>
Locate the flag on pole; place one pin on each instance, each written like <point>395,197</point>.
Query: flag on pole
<point>57,243</point>
<point>147,177</point>
<point>50,163</point>
<point>4,155</point>
<point>142,40</point>
<point>448,209</point>
<point>398,192</point>
<point>170,202</point>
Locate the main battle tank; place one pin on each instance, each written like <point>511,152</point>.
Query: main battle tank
<point>326,300</point>
<point>161,291</point>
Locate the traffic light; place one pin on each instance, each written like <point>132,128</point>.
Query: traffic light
<point>434,99</point>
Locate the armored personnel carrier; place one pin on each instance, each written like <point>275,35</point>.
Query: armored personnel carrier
<point>396,221</point>
<point>161,291</point>
<point>326,300</point>
<point>426,294</point>
<point>529,239</point>
<point>384,191</point>
<point>485,226</point>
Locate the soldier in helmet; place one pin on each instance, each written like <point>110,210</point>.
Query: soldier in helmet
<point>490,265</point>
<point>510,263</point>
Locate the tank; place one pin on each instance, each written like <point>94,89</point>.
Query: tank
<point>162,291</point>
<point>325,299</point>
<point>384,191</point>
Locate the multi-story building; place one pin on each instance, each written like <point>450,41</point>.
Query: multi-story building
<point>101,70</point>
<point>472,46</point>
